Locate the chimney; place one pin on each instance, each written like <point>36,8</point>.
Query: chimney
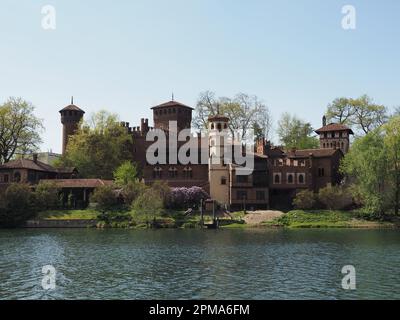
<point>35,157</point>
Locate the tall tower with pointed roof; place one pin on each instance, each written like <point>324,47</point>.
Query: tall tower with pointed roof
<point>71,115</point>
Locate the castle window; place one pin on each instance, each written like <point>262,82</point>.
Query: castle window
<point>173,172</point>
<point>225,126</point>
<point>223,180</point>
<point>321,172</point>
<point>277,178</point>
<point>260,195</point>
<point>242,179</point>
<point>174,110</point>
<point>301,178</point>
<point>219,127</point>
<point>188,173</point>
<point>157,173</point>
<point>212,126</point>
<point>290,178</point>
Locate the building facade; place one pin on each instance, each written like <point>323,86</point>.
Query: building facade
<point>277,176</point>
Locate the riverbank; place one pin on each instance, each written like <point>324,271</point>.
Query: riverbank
<point>177,219</point>
<point>327,219</point>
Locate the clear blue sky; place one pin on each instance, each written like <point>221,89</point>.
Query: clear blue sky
<point>126,56</point>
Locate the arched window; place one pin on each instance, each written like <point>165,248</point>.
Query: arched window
<point>225,126</point>
<point>301,178</point>
<point>290,178</point>
<point>212,126</point>
<point>157,173</point>
<point>277,179</point>
<point>219,127</point>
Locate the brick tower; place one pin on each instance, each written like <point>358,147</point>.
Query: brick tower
<point>71,115</point>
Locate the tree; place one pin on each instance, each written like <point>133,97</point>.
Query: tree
<point>295,133</point>
<point>341,110</point>
<point>46,196</point>
<point>304,199</point>
<point>242,110</point>
<point>126,173</point>
<point>392,147</point>
<point>366,165</point>
<point>131,191</point>
<point>19,129</point>
<point>17,205</point>
<point>333,197</point>
<point>149,204</point>
<point>163,190</point>
<point>105,198</point>
<point>361,113</point>
<point>99,147</point>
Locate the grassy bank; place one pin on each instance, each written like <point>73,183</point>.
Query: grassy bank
<point>128,219</point>
<point>325,219</point>
<point>177,219</point>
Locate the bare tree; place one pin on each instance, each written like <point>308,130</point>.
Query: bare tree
<point>244,112</point>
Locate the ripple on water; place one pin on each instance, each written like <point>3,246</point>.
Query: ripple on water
<point>199,264</point>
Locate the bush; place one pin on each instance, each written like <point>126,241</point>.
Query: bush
<point>149,204</point>
<point>304,199</point>
<point>125,173</point>
<point>17,205</point>
<point>163,190</point>
<point>334,198</point>
<point>183,198</point>
<point>46,196</point>
<point>131,191</point>
<point>105,198</point>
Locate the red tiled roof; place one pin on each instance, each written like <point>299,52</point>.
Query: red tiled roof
<point>316,153</point>
<point>28,164</point>
<point>72,107</point>
<point>334,127</point>
<point>172,103</point>
<point>80,183</point>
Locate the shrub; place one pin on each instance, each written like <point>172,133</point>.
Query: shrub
<point>46,196</point>
<point>182,198</point>
<point>163,190</point>
<point>125,173</point>
<point>17,205</point>
<point>131,191</point>
<point>334,198</point>
<point>304,199</point>
<point>105,198</point>
<point>149,204</point>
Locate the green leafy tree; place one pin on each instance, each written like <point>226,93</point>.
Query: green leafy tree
<point>149,205</point>
<point>126,173</point>
<point>132,190</point>
<point>295,133</point>
<point>366,165</point>
<point>46,196</point>
<point>361,113</point>
<point>99,147</point>
<point>19,129</point>
<point>105,198</point>
<point>332,197</point>
<point>17,205</point>
<point>304,199</point>
<point>163,190</point>
<point>392,148</point>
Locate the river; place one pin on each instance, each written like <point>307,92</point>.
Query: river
<point>199,264</point>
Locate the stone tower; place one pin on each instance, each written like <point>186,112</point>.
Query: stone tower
<point>172,111</point>
<point>218,170</point>
<point>334,136</point>
<point>71,115</point>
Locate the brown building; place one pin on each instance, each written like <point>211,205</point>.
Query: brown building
<point>278,174</point>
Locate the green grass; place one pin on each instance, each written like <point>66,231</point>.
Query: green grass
<point>323,219</point>
<point>87,214</point>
